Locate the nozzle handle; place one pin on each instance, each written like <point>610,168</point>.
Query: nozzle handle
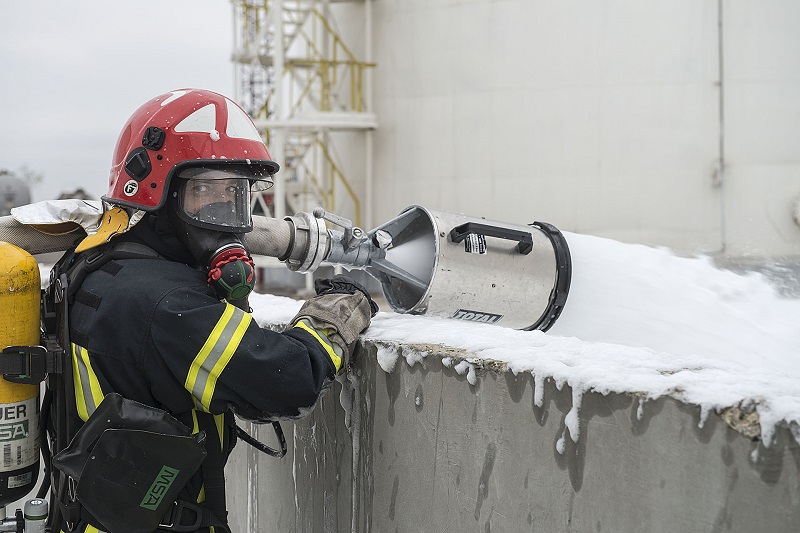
<point>523,238</point>
<point>332,217</point>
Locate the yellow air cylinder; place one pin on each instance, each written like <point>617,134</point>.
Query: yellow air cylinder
<point>20,289</point>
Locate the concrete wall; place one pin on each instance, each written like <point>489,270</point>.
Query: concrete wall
<point>428,451</point>
<point>670,122</point>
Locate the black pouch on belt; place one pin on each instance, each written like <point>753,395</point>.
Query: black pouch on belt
<point>130,462</point>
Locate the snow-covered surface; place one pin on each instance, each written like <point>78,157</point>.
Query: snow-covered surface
<point>637,320</point>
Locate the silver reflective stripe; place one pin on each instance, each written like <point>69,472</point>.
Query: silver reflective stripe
<point>88,393</point>
<point>216,353</point>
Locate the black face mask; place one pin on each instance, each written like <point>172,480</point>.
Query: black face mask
<point>231,272</point>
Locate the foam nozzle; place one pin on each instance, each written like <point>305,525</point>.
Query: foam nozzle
<point>452,266</point>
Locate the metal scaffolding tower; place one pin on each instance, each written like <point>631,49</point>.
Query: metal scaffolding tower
<point>303,84</point>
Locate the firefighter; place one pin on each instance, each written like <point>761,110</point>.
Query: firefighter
<point>165,322</point>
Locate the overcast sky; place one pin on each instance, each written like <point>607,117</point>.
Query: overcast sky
<point>71,73</point>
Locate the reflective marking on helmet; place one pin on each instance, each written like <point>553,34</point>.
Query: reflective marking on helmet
<point>131,188</point>
<point>203,120</point>
<point>88,393</point>
<point>335,359</point>
<point>215,354</point>
<point>175,96</point>
<point>240,125</point>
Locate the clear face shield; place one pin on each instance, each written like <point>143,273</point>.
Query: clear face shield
<point>217,199</point>
<point>213,210</point>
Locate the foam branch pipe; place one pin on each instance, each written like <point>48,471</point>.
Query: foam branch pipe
<point>427,262</point>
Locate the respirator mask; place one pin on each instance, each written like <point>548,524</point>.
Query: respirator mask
<point>210,213</point>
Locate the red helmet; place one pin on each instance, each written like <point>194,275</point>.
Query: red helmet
<point>178,130</point>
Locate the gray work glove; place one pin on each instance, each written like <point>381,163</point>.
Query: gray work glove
<point>344,285</point>
<point>341,311</point>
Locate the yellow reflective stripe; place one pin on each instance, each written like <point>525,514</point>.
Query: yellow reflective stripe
<point>206,349</point>
<point>337,361</point>
<point>88,393</point>
<point>195,425</point>
<point>219,420</point>
<point>80,403</point>
<point>97,391</point>
<point>201,497</point>
<point>215,354</point>
<point>198,406</point>
<point>91,529</point>
<point>224,359</point>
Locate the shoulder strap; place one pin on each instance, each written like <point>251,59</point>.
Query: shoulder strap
<point>213,468</point>
<point>95,259</point>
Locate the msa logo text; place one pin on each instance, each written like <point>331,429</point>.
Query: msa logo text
<point>476,316</point>
<point>159,488</point>
<point>14,431</point>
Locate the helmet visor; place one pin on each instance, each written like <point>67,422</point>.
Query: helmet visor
<point>216,200</point>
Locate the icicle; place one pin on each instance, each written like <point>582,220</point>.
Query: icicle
<point>346,399</point>
<point>640,409</point>
<point>472,378</point>
<point>413,356</point>
<point>768,421</point>
<point>572,419</point>
<point>465,367</point>
<point>561,444</point>
<point>538,390</point>
<point>387,357</point>
<point>704,410</point>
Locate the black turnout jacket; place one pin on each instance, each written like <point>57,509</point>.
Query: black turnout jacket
<point>152,330</point>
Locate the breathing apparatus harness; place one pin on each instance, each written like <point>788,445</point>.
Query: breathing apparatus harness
<point>231,274</point>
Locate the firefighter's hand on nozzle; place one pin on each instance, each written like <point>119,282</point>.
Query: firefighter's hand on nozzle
<point>344,285</point>
<point>341,310</point>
